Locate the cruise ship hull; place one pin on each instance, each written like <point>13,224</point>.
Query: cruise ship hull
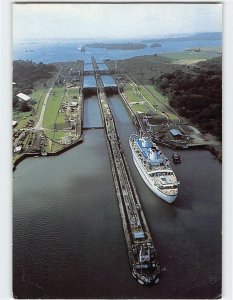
<point>145,177</point>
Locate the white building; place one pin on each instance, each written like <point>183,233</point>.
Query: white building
<point>18,149</point>
<point>73,104</point>
<point>26,98</point>
<point>14,123</point>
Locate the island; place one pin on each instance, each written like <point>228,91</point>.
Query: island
<point>194,37</point>
<point>118,46</point>
<point>155,45</point>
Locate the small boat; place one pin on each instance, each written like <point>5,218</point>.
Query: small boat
<point>176,158</point>
<point>28,50</point>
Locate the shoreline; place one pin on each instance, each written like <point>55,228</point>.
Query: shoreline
<point>58,152</point>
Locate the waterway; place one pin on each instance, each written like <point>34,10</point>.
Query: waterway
<point>108,80</point>
<point>66,50</point>
<point>68,237</point>
<point>88,67</point>
<point>89,81</point>
<point>102,66</point>
<point>92,113</point>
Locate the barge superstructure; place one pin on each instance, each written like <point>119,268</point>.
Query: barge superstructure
<point>141,251</point>
<point>154,167</point>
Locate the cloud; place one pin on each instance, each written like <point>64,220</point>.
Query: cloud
<point>113,20</point>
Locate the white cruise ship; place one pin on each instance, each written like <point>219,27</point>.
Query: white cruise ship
<point>154,168</point>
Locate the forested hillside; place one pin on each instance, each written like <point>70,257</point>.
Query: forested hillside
<point>197,94</point>
<point>26,74</point>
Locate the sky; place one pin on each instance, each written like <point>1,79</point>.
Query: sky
<point>113,21</point>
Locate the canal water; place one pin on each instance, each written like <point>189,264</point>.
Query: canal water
<point>88,66</point>
<point>89,81</point>
<point>92,113</point>
<point>68,237</point>
<point>108,80</point>
<point>102,66</point>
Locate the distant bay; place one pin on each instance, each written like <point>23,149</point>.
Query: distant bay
<point>65,50</point>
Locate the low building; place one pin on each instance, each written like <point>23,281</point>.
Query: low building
<point>73,104</point>
<point>176,133</point>
<point>74,72</point>
<point>18,149</point>
<point>26,98</point>
<point>14,124</point>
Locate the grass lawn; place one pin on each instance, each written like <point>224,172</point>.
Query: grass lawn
<point>157,94</point>
<point>160,102</point>
<point>146,94</point>
<point>38,95</point>
<point>52,107</point>
<point>55,135</point>
<point>48,133</point>
<point>139,108</point>
<point>205,53</point>
<point>58,135</point>
<point>172,117</point>
<point>60,119</point>
<point>73,92</point>
<point>22,118</point>
<point>154,97</point>
<point>132,97</point>
<point>56,147</point>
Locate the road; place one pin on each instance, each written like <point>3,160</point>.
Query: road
<point>39,125</point>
